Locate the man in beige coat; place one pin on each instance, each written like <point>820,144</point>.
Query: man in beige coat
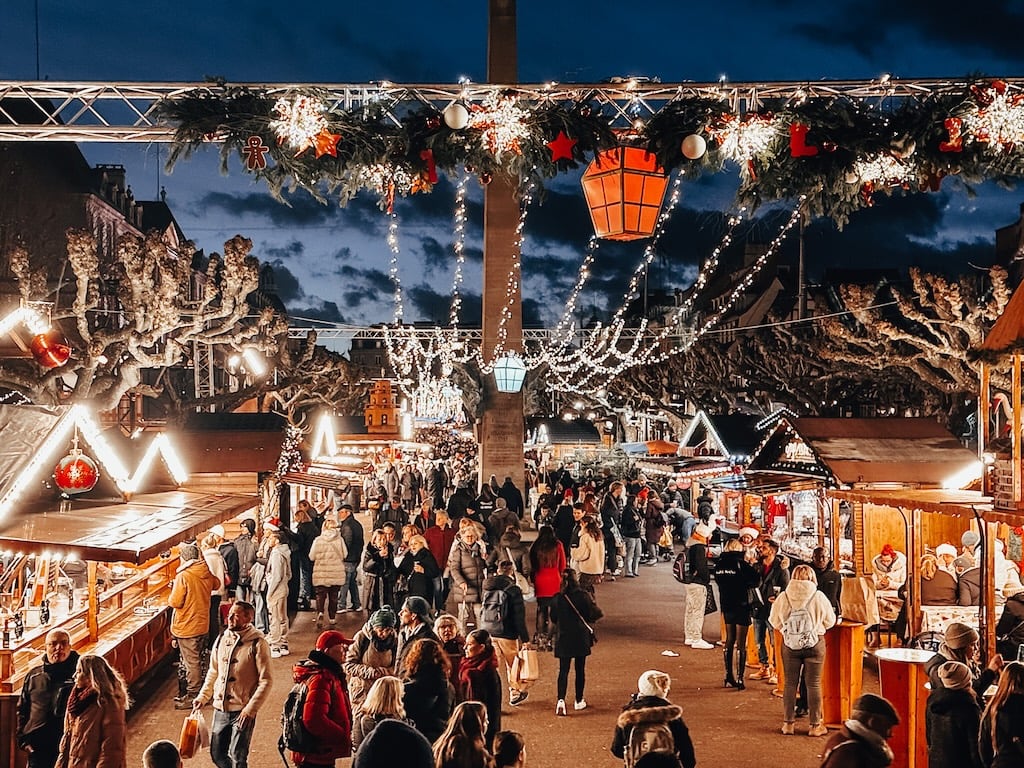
<point>237,684</point>
<point>190,599</point>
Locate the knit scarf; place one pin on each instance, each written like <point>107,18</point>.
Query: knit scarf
<point>80,700</point>
<point>471,665</point>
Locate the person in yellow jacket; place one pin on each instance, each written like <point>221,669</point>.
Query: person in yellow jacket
<point>190,623</point>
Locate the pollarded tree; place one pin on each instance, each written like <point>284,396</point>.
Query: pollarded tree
<point>140,313</point>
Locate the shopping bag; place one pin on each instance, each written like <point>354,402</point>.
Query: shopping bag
<point>529,665</point>
<point>195,735</point>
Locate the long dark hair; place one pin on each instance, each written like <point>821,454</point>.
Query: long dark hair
<point>570,582</point>
<point>508,745</point>
<point>1011,680</point>
<point>544,551</point>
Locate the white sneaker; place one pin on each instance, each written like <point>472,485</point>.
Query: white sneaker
<point>284,650</point>
<point>581,704</point>
<point>560,707</point>
<point>688,642</point>
<point>701,645</point>
<point>275,653</point>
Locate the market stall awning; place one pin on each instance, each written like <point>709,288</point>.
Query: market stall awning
<point>764,483</point>
<point>132,532</point>
<point>943,502</point>
<point>661,448</point>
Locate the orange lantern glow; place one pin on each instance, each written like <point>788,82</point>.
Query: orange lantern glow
<point>625,188</point>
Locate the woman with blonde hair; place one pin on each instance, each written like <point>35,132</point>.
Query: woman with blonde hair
<point>383,702</point>
<point>94,724</point>
<point>938,586</point>
<point>449,631</point>
<point>328,553</point>
<point>803,614</point>
<point>462,745</point>
<point>419,568</point>
<point>1001,742</point>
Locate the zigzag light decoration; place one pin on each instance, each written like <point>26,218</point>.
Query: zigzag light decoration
<point>324,438</point>
<point>78,416</point>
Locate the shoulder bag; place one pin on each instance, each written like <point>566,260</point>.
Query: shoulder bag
<point>590,629</point>
<point>524,584</point>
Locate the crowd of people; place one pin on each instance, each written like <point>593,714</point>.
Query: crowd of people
<point>442,585</point>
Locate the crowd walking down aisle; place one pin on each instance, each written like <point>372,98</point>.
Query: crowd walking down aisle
<point>642,629</point>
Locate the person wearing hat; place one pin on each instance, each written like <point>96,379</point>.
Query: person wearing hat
<point>190,623</point>
<point>697,587</point>
<point>372,654</point>
<point>326,714</point>
<point>1010,628</point>
<point>237,685</point>
<point>414,624</point>
<point>861,741</point>
<point>650,706</point>
<point>953,719</point>
<point>968,541</point>
<point>748,538</point>
<point>960,643</point>
<point>945,554</point>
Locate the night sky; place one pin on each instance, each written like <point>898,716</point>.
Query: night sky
<point>332,263</point>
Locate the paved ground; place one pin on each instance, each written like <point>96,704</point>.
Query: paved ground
<point>642,619</point>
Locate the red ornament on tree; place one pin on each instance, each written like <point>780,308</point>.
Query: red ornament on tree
<point>954,127</point>
<point>798,146</point>
<point>561,147</point>
<point>49,349</point>
<point>76,473</point>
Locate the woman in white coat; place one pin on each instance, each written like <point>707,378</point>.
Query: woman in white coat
<point>328,553</point>
<point>588,555</point>
<point>803,614</point>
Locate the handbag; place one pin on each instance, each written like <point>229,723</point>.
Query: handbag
<point>590,629</point>
<point>666,539</point>
<point>526,667</point>
<point>524,584</point>
<point>710,606</point>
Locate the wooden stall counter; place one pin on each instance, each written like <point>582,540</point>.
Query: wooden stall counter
<point>902,679</point>
<point>843,676</point>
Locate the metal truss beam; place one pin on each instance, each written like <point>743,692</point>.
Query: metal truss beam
<point>126,112</point>
<point>472,336</point>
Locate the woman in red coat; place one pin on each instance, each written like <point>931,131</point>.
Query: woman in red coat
<point>547,561</point>
<point>327,714</point>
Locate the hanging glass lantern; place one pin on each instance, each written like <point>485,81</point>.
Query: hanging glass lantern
<point>625,188</point>
<point>509,372</point>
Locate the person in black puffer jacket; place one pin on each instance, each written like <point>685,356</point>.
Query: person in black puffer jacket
<point>953,719</point>
<point>735,578</point>
<point>651,705</point>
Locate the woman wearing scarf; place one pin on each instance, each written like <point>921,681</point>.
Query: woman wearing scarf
<point>479,679</point>
<point>94,726</point>
<point>960,643</point>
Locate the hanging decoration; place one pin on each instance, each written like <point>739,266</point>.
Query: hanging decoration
<point>624,188</point>
<point>255,152</point>
<point>798,146</point>
<point>76,472</point>
<point>694,146</point>
<point>561,147</point>
<point>299,120</point>
<point>49,349</point>
<point>456,116</point>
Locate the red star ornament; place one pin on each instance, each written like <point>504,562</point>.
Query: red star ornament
<point>561,147</point>
<point>326,143</point>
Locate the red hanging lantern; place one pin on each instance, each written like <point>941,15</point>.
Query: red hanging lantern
<point>76,473</point>
<point>625,188</point>
<point>49,349</point>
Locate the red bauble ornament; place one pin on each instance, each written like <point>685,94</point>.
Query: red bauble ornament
<point>50,350</point>
<point>485,179</point>
<point>76,473</point>
<point>433,123</point>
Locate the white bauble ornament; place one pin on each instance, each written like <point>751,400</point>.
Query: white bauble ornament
<point>456,116</point>
<point>694,147</point>
<point>852,177</point>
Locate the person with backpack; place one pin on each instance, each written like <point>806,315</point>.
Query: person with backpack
<point>651,723</point>
<point>317,719</point>
<point>503,615</point>
<point>803,614</point>
<point>237,685</point>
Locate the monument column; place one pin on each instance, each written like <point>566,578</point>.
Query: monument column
<point>501,427</point>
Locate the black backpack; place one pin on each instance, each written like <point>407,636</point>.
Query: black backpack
<point>229,552</point>
<point>680,568</point>
<point>294,734</point>
<point>494,611</point>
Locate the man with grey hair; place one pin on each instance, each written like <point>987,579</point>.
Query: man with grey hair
<point>43,700</point>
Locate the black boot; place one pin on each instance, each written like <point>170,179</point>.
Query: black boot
<point>741,662</point>
<point>730,681</point>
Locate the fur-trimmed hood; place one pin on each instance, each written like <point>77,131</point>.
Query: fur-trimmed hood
<point>654,712</point>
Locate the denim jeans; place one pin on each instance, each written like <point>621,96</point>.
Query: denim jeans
<point>810,661</point>
<point>760,630</point>
<point>350,587</point>
<point>634,549</point>
<point>229,745</point>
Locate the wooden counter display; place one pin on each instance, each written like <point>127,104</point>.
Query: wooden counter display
<point>129,625</point>
<point>902,679</point>
<point>843,675</point>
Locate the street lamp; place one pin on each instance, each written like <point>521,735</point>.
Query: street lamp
<point>509,372</point>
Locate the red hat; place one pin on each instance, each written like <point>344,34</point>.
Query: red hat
<point>642,494</point>
<point>888,550</point>
<point>568,493</point>
<point>331,638</point>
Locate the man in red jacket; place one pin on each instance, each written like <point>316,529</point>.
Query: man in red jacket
<point>327,714</point>
<point>440,538</point>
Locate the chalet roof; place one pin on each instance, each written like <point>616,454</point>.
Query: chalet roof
<point>1009,328</point>
<point>573,432</point>
<point>231,442</point>
<point>737,431</point>
<point>919,452</point>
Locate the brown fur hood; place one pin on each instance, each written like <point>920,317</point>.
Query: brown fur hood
<point>655,714</point>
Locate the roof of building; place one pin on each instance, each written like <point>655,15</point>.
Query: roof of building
<point>561,431</point>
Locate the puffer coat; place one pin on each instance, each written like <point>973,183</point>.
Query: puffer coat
<point>96,738</point>
<point>467,566</point>
<point>328,555</point>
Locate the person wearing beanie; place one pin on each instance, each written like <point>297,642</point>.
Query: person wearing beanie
<point>191,596</point>
<point>326,714</point>
<point>697,587</point>
<point>861,741</point>
<point>968,541</point>
<point>960,643</point>
<point>414,624</point>
<point>372,654</point>
<point>953,719</point>
<point>393,743</point>
<point>650,710</point>
<point>889,568</point>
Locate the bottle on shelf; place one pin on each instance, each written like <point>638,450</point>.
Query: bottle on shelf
<point>7,632</point>
<point>44,612</point>
<point>19,626</point>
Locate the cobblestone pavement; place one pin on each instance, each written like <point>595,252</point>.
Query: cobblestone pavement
<point>643,618</point>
